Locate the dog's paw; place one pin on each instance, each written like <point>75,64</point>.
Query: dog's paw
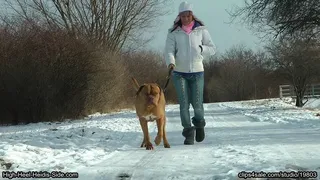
<point>166,145</point>
<point>149,146</point>
<point>143,144</point>
<point>157,140</point>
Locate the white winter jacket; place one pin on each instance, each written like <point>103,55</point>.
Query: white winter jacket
<point>183,49</point>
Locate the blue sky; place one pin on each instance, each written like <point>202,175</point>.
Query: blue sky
<point>213,13</point>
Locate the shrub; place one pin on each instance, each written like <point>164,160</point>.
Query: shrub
<point>48,75</point>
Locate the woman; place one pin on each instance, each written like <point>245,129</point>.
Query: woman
<point>188,41</point>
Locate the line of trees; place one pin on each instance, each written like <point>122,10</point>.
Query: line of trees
<point>66,59</point>
<point>293,28</point>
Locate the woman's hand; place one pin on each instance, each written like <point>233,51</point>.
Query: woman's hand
<point>171,66</point>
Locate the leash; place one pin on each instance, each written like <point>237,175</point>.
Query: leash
<point>168,79</point>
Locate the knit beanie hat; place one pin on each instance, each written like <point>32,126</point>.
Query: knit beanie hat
<point>185,6</point>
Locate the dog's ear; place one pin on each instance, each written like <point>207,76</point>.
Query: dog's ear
<point>135,83</point>
<point>139,90</point>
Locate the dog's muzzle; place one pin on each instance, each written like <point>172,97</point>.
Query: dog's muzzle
<point>150,99</point>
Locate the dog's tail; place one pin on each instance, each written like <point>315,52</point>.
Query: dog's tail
<point>136,84</point>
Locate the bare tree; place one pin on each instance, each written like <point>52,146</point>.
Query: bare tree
<point>240,75</point>
<point>282,17</point>
<point>298,61</point>
<point>111,23</point>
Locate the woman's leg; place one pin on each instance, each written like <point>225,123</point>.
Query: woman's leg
<point>196,89</point>
<point>182,91</point>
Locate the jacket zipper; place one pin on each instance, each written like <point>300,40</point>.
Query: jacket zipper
<point>190,58</point>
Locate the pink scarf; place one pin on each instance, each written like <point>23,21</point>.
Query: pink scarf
<point>188,28</point>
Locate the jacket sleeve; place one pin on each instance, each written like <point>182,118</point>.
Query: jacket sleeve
<point>170,49</point>
<point>209,48</point>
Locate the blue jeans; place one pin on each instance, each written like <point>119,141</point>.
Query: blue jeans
<point>189,89</point>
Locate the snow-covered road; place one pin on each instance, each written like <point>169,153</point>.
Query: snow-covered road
<point>266,135</point>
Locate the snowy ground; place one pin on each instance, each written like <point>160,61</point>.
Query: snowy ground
<point>264,135</point>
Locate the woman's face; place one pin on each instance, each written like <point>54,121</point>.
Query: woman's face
<point>186,17</point>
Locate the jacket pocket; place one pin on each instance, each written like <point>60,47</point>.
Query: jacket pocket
<point>198,54</point>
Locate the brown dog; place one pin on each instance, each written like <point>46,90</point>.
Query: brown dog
<point>150,106</point>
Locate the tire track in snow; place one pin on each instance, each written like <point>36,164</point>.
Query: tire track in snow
<point>143,164</point>
<point>127,163</point>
